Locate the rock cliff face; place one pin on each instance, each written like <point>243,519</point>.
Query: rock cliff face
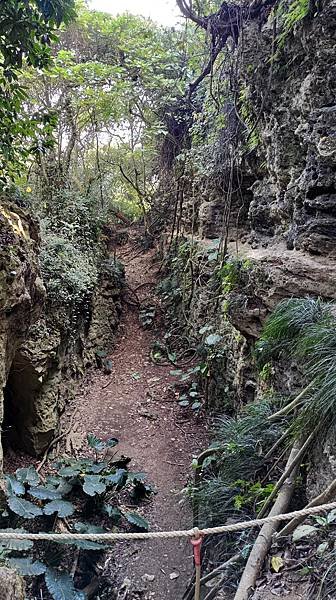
<point>43,349</point>
<point>283,220</point>
<point>295,200</point>
<point>21,289</point>
<point>282,229</point>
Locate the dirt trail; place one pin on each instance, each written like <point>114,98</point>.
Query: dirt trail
<point>139,408</point>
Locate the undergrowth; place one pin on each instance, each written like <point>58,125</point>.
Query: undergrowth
<point>303,329</point>
<point>232,479</point>
<point>85,495</point>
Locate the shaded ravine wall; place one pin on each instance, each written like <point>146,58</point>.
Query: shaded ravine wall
<point>22,293</point>
<point>283,222</point>
<point>41,357</point>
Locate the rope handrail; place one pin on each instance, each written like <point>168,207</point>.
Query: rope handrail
<point>187,533</point>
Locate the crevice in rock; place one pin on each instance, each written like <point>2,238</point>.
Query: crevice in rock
<point>320,190</point>
<point>20,394</point>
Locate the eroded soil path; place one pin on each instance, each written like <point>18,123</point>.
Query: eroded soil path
<point>136,404</point>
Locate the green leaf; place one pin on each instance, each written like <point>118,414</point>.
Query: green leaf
<point>61,586</point>
<point>303,531</point>
<point>133,477</point>
<point>28,475</point>
<point>97,468</point>
<point>93,485</point>
<point>70,471</point>
<point>113,512</point>
<point>27,567</point>
<point>18,545</point>
<point>64,487</point>
<point>137,520</point>
<point>172,356</point>
<point>88,528</point>
<point>44,493</point>
<point>86,544</point>
<point>59,484</point>
<point>196,405</point>
<point>118,478</point>
<point>101,445</point>
<point>184,403</point>
<point>61,507</point>
<point>14,487</point>
<point>24,508</point>
<point>331,516</point>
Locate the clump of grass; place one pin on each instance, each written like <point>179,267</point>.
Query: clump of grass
<point>243,443</point>
<point>304,329</point>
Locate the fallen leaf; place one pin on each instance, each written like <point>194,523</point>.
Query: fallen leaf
<point>277,563</point>
<point>174,575</point>
<point>322,548</point>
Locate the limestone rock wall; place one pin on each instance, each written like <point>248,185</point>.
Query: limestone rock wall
<point>285,227</point>
<point>57,351</point>
<point>295,198</point>
<point>286,191</point>
<point>44,349</point>
<point>21,289</point>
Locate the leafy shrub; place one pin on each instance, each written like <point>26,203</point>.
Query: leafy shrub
<point>75,217</point>
<point>304,329</point>
<point>70,275</point>
<point>84,487</point>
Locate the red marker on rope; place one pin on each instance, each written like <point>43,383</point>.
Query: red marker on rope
<point>197,543</point>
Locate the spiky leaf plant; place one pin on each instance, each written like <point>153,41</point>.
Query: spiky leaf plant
<point>304,329</point>
<point>243,443</point>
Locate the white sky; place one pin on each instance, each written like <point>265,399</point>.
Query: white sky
<point>164,12</point>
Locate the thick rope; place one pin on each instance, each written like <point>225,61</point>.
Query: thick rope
<point>188,533</point>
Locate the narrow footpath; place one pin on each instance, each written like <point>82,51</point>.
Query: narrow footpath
<point>136,404</point>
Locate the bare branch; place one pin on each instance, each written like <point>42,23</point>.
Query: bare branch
<point>187,11</point>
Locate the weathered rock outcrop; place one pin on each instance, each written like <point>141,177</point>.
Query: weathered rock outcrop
<point>21,289</point>
<point>275,199</point>
<point>295,198</point>
<point>44,348</point>
<point>54,356</point>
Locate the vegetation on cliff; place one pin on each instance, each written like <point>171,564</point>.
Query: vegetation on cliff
<point>214,138</point>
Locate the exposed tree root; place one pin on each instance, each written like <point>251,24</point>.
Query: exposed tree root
<point>289,407</point>
<point>55,441</point>
<point>226,23</point>
<point>264,539</point>
<point>328,494</point>
<point>301,449</point>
